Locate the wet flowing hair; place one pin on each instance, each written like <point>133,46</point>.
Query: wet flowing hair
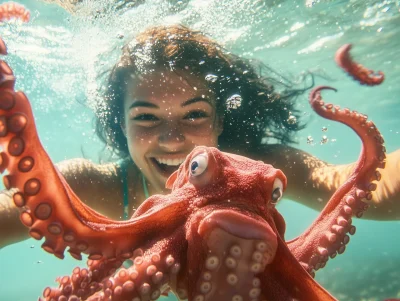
<point>263,113</point>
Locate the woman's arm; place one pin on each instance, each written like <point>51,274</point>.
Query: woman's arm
<point>96,185</point>
<point>312,181</point>
<point>11,229</point>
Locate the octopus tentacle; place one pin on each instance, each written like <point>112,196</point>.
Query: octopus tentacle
<point>328,235</point>
<point>360,73</point>
<point>83,282</point>
<point>226,251</point>
<point>149,277</point>
<point>286,280</point>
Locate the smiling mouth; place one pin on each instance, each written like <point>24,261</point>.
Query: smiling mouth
<point>167,166</point>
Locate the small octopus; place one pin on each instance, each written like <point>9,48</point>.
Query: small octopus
<point>360,73</point>
<point>216,236</point>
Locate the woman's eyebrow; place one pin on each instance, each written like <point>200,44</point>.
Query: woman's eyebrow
<point>196,99</point>
<point>142,103</point>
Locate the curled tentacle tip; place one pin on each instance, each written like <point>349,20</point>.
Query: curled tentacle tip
<point>319,88</point>
<point>316,92</point>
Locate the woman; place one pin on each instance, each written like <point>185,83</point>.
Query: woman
<point>173,89</point>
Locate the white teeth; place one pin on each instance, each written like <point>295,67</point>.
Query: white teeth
<point>170,162</point>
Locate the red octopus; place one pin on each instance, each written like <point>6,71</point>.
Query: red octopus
<point>217,236</point>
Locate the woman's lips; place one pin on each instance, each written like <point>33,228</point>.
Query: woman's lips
<point>170,161</point>
<point>167,166</point>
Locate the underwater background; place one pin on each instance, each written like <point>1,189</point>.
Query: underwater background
<point>58,56</point>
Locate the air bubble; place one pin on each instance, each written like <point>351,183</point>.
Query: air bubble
<point>211,78</point>
<point>292,119</point>
<point>234,102</point>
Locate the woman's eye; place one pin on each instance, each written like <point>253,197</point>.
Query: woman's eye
<point>145,117</point>
<point>196,115</point>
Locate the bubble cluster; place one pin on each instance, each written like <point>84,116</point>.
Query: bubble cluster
<point>234,102</point>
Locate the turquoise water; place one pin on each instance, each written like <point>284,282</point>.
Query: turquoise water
<point>56,58</point>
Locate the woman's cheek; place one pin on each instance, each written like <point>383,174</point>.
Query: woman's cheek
<point>203,130</point>
<point>140,135</point>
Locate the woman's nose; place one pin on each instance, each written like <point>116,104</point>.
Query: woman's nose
<point>171,138</point>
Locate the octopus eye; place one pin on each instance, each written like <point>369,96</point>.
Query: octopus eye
<point>198,164</point>
<point>277,191</point>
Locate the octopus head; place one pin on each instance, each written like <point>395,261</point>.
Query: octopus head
<point>232,232</point>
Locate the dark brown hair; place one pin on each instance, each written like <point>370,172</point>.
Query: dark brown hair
<point>263,112</point>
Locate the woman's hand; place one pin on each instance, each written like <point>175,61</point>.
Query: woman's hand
<point>312,181</point>
<point>386,198</point>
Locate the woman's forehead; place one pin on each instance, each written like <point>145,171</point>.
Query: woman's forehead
<point>174,76</point>
<point>169,82</point>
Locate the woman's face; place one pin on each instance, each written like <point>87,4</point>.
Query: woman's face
<point>167,114</point>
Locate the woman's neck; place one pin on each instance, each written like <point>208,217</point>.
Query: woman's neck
<point>143,187</point>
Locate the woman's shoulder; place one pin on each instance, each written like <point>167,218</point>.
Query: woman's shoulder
<point>96,184</point>
<point>281,155</point>
<point>82,169</point>
<point>270,151</point>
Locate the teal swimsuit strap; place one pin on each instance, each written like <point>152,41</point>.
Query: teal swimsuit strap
<point>146,191</point>
<point>124,176</point>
